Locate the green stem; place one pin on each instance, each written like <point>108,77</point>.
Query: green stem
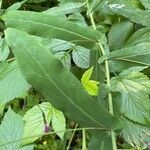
<point>107,74</point>
<point>68,147</point>
<point>84,140</point>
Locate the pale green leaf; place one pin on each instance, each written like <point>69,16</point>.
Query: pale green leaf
<point>12,83</point>
<point>34,121</point>
<point>134,133</point>
<point>4,50</point>
<point>86,76</point>
<point>134,87</point>
<point>58,123</point>
<point>47,75</point>
<point>64,58</point>
<point>11,132</point>
<point>81,56</point>
<point>50,26</point>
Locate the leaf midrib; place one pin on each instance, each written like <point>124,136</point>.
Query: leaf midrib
<point>61,91</point>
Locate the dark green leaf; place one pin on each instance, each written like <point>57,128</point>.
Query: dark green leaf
<point>47,75</point>
<point>119,34</point>
<point>126,57</point>
<point>48,26</point>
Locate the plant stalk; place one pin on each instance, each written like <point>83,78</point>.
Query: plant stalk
<point>110,101</point>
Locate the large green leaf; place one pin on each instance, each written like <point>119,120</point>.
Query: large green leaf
<point>134,87</point>
<point>119,34</point>
<point>135,134</point>
<point>141,35</point>
<point>126,57</point>
<point>49,26</point>
<point>12,82</point>
<point>11,132</point>
<point>134,14</point>
<point>46,74</point>
<point>34,121</point>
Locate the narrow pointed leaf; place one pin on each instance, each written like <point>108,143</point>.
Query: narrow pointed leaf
<point>46,74</point>
<point>50,26</point>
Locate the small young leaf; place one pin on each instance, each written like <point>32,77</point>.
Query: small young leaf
<point>90,85</point>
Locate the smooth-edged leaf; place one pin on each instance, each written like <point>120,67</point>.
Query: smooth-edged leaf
<point>58,123</point>
<point>47,75</point>
<point>141,35</point>
<point>134,14</point>
<point>91,86</point>
<point>134,87</point>
<point>57,45</point>
<point>68,8</point>
<point>50,26</point>
<point>78,19</point>
<point>135,134</point>
<point>65,58</point>
<point>119,34</point>
<point>11,132</point>
<point>136,55</point>
<point>81,57</point>
<point>16,6</point>
<point>34,121</point>
<point>146,3</point>
<point>12,82</point>
<point>4,50</point>
<point>102,141</point>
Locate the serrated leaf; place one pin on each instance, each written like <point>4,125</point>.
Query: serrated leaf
<point>129,56</point>
<point>50,26</point>
<point>119,34</point>
<point>47,75</point>
<point>4,50</point>
<point>12,82</point>
<point>134,133</point>
<point>58,123</point>
<point>134,87</point>
<point>34,121</point>
<point>65,58</point>
<point>11,132</point>
<point>81,56</point>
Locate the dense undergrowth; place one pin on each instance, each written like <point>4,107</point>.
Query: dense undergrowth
<point>74,74</point>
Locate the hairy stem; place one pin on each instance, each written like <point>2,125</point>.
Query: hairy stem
<point>90,13</point>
